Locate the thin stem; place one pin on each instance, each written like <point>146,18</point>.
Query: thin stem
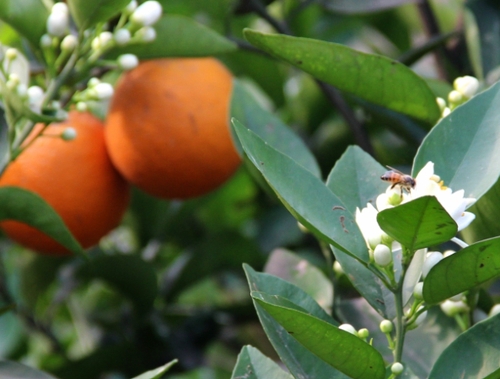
<point>400,327</point>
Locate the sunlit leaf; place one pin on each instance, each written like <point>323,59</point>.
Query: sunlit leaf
<point>158,372</point>
<point>252,364</point>
<point>28,17</point>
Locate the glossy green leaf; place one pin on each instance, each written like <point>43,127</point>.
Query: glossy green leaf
<point>129,274</point>
<point>375,78</point>
<point>157,373</point>
<point>420,223</point>
<point>300,361</point>
<point>362,6</point>
<point>28,17</point>
<point>296,270</point>
<point>305,196</point>
<point>463,270</point>
<point>246,109</point>
<point>464,144</point>
<point>474,354</point>
<point>87,13</point>
<point>27,207</point>
<point>179,36</point>
<point>342,350</point>
<point>472,38</point>
<point>355,178</point>
<point>14,370</point>
<point>252,364</point>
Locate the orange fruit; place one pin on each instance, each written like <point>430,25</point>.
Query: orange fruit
<point>75,177</point>
<point>167,128</point>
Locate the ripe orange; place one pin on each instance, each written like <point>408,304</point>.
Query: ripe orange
<point>167,129</point>
<point>75,177</point>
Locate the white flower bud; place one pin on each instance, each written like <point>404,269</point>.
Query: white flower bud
<point>69,43</point>
<point>146,34</point>
<point>122,36</point>
<point>22,90</point>
<point>128,61</point>
<point>96,43</point>
<point>337,268</point>
<point>60,8</point>
<point>452,308</point>
<point>105,38</point>
<point>57,24</point>
<point>455,97</point>
<point>132,6</point>
<point>363,333</point>
<point>93,82</point>
<point>45,41</point>
<point>441,103</point>
<point>457,297</point>
<point>418,290</point>
<point>382,255</point>
<point>430,261</point>
<point>348,328</point>
<point>397,368</point>
<point>103,91</point>
<point>69,134</point>
<point>11,53</point>
<point>14,78</point>
<point>466,85</point>
<point>81,106</point>
<point>494,310</point>
<point>447,253</point>
<point>446,112</point>
<point>56,104</point>
<point>35,98</point>
<point>147,13</point>
<point>386,326</point>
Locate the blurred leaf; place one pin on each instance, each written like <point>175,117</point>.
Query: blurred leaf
<point>28,17</point>
<point>270,128</point>
<point>300,361</point>
<point>129,274</point>
<point>296,270</point>
<point>342,350</point>
<point>463,270</point>
<point>252,364</point>
<point>472,38</point>
<point>372,77</point>
<point>13,331</point>
<point>87,13</point>
<point>158,372</point>
<point>355,179</point>
<point>487,222</point>
<point>362,6</point>
<point>21,205</point>
<point>179,36</point>
<point>14,370</point>
<point>464,144</point>
<point>19,66</point>
<point>305,196</point>
<point>487,20</point>
<point>474,354</point>
<point>420,223</point>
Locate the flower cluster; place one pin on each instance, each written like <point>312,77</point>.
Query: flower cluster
<point>464,88</point>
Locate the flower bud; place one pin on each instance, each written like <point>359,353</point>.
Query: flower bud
<point>68,134</point>
<point>60,8</point>
<point>57,24</point>
<point>45,41</point>
<point>81,106</point>
<point>93,82</point>
<point>397,368</point>
<point>348,328</point>
<point>103,91</point>
<point>418,290</point>
<point>35,98</point>
<point>466,85</point>
<point>386,326</point>
<point>122,36</point>
<point>441,103</point>
<point>11,53</point>
<point>446,112</point>
<point>455,98</point>
<point>457,297</point>
<point>22,90</point>
<point>382,255</point>
<point>128,61</point>
<point>494,310</point>
<point>146,34</point>
<point>337,268</point>
<point>430,261</point>
<point>69,43</point>
<point>447,253</point>
<point>363,333</point>
<point>147,13</point>
<point>453,308</point>
<point>132,6</point>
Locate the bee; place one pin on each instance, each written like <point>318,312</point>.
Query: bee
<point>397,178</point>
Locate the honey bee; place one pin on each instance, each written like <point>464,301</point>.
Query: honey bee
<point>397,178</point>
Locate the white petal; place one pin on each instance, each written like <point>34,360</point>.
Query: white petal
<point>465,220</point>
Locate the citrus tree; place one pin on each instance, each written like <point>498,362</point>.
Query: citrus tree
<point>206,189</point>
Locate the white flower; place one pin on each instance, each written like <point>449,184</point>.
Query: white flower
<point>453,202</point>
<point>128,61</point>
<point>432,259</point>
<point>348,328</point>
<point>147,13</point>
<point>367,223</point>
<point>466,85</point>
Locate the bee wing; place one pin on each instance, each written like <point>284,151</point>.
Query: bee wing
<point>393,169</point>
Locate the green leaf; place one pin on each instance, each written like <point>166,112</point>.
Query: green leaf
<point>252,364</point>
<point>463,270</point>
<point>21,205</point>
<point>246,109</point>
<point>157,373</point>
<point>14,370</point>
<point>472,38</point>
<point>355,178</point>
<point>362,6</point>
<point>27,17</point>
<point>129,274</point>
<point>87,13</point>
<point>464,144</point>
<point>342,350</point>
<point>305,196</point>
<point>474,354</point>
<point>372,77</point>
<point>420,223</point>
<point>179,36</point>
<point>300,361</point>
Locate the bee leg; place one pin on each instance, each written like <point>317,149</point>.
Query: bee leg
<point>394,185</point>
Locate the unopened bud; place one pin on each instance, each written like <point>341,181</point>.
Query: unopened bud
<point>57,24</point>
<point>441,103</point>
<point>146,34</point>
<point>22,90</point>
<point>382,255</point>
<point>93,82</point>
<point>446,112</point>
<point>60,8</point>
<point>132,6</point>
<point>69,42</point>
<point>337,268</point>
<point>386,326</point>
<point>147,13</point>
<point>11,53</point>
<point>431,260</point>
<point>81,106</point>
<point>45,41</point>
<point>455,97</point>
<point>128,61</point>
<point>452,308</point>
<point>348,328</point>
<point>494,310</point>
<point>122,36</point>
<point>363,333</point>
<point>418,291</point>
<point>466,85</point>
<point>103,91</point>
<point>397,368</point>
<point>68,134</point>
